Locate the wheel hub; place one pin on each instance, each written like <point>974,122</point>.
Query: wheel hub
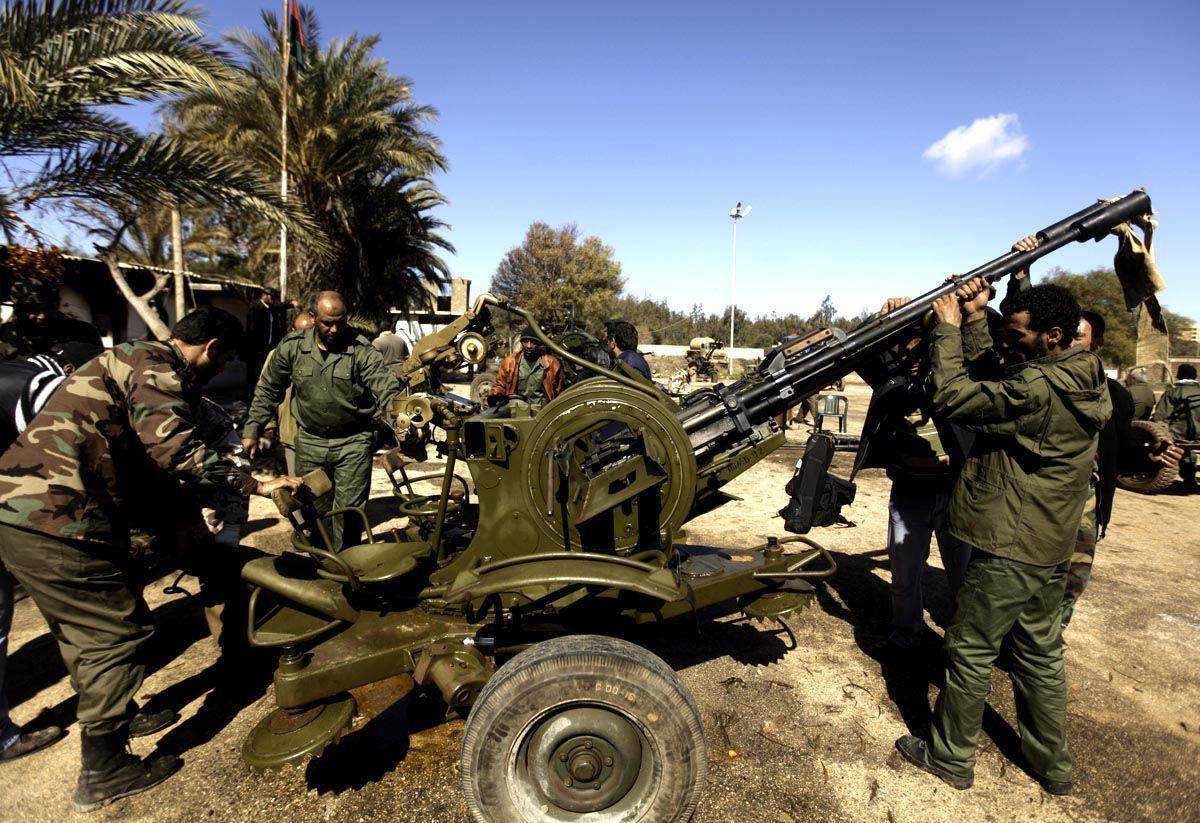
<point>584,759</point>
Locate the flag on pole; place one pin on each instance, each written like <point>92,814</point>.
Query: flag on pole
<point>295,36</point>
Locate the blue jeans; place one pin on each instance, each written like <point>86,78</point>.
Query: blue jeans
<point>9,731</point>
<point>915,516</point>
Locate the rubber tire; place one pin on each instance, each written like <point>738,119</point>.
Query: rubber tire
<point>481,386</point>
<point>572,669</point>
<point>1151,433</point>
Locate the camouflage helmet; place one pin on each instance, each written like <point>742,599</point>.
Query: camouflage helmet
<point>33,293</point>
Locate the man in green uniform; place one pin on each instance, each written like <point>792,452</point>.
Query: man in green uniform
<point>69,484</point>
<point>1018,503</point>
<point>1179,408</point>
<point>342,393</point>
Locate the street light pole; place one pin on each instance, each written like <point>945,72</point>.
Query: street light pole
<point>735,214</point>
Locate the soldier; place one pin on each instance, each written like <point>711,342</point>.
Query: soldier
<point>922,459</point>
<point>531,372</point>
<point>38,323</point>
<point>25,386</point>
<point>266,325</point>
<point>67,486</point>
<point>1115,447</point>
<point>1179,408</point>
<point>1142,394</point>
<point>622,344</point>
<point>1018,503</point>
<point>342,394</point>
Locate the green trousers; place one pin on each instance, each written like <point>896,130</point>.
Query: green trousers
<point>87,594</point>
<point>1003,598</point>
<point>1082,558</point>
<point>347,461</point>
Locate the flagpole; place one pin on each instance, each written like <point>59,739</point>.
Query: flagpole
<point>286,25</point>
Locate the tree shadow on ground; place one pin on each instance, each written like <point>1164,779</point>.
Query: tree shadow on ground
<point>863,600</point>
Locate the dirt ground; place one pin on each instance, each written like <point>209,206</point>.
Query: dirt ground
<point>800,720</point>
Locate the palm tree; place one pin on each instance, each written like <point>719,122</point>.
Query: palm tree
<point>360,159</point>
<point>65,63</point>
<point>142,232</point>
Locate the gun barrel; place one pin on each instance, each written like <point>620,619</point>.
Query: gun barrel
<point>754,400</point>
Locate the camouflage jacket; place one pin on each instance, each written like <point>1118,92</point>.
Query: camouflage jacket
<point>119,423</point>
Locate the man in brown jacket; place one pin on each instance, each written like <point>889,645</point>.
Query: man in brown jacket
<point>529,372</point>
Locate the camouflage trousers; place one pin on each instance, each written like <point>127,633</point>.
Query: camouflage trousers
<point>347,461</point>
<point>1082,558</point>
<point>88,595</point>
<point>1005,600</point>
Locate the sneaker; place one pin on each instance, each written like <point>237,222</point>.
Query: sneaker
<point>915,751</point>
<point>30,742</point>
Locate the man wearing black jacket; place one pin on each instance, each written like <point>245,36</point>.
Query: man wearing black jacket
<point>266,324</point>
<point>1116,449</point>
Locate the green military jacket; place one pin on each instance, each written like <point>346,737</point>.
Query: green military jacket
<point>80,469</point>
<point>1023,486</point>
<point>529,380</point>
<point>334,394</point>
<point>1179,408</point>
<point>1143,400</point>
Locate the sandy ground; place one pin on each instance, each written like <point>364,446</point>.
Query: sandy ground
<point>800,720</point>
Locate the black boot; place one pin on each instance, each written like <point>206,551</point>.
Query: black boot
<point>109,772</point>
<point>146,722</point>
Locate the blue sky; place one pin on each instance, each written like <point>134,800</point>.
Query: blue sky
<point>645,122</point>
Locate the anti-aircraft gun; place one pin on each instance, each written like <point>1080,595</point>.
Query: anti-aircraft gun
<point>507,604</point>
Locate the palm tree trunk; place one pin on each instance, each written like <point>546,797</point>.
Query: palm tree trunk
<point>140,303</point>
<point>177,259</point>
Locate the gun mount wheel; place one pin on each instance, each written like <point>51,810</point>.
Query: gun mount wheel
<point>569,422</point>
<point>583,727</point>
<point>1156,477</point>
<point>481,386</point>
<point>286,737</point>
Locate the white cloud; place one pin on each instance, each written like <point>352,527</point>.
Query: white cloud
<point>982,145</point>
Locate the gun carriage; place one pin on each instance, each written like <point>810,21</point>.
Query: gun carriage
<point>564,537</point>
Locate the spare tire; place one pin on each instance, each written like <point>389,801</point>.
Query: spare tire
<point>1153,477</point>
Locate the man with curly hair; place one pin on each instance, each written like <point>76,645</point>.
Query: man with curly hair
<point>1018,503</point>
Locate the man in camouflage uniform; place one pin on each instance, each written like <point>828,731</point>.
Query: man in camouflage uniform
<point>38,323</point>
<point>342,394</point>
<point>68,487</point>
<point>1179,408</point>
<point>1018,503</point>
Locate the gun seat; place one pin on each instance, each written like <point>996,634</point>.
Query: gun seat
<point>368,563</point>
